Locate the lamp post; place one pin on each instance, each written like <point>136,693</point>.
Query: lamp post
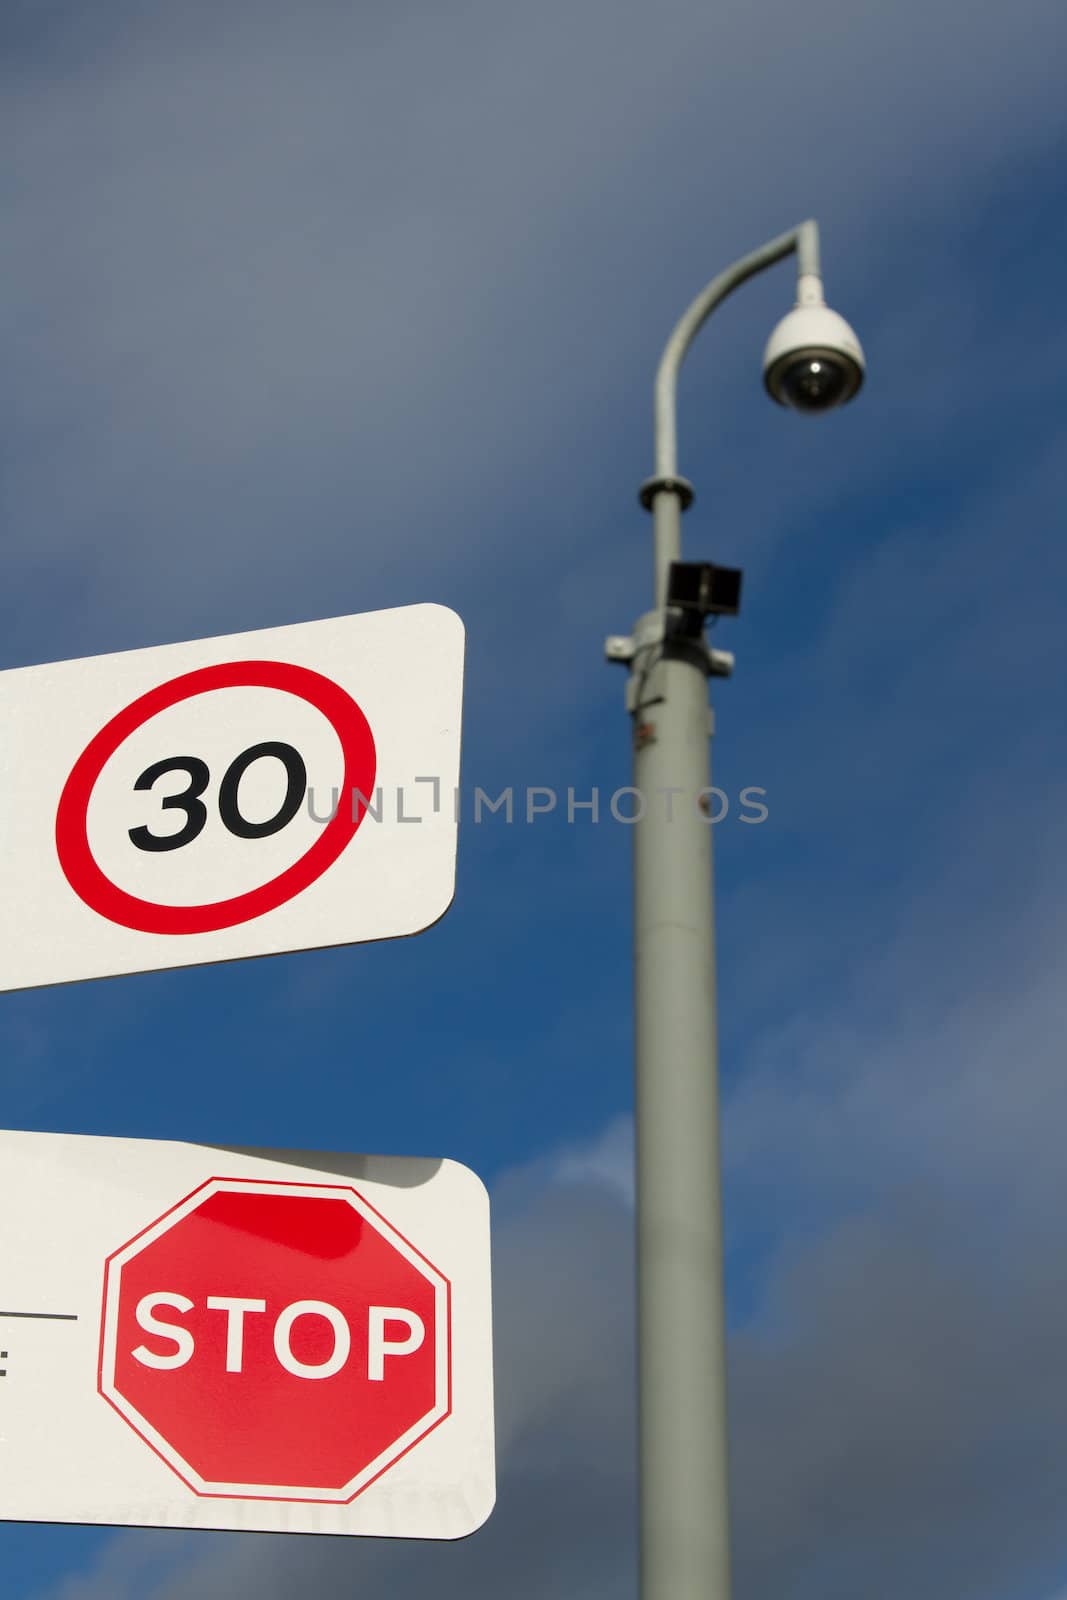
<point>812,362</point>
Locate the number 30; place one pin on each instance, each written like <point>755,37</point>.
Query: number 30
<point>199,777</point>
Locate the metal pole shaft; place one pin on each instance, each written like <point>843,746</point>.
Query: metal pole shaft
<point>684,1500</point>
<point>684,1533</point>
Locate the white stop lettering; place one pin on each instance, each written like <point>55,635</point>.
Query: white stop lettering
<point>380,1321</point>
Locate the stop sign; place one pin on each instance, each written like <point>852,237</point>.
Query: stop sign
<point>275,1340</point>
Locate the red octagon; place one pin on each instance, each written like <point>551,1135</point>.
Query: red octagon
<point>275,1341</point>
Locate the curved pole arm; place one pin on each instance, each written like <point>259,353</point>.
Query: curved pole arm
<point>803,239</point>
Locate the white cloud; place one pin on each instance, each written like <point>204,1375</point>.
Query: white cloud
<point>606,1160</point>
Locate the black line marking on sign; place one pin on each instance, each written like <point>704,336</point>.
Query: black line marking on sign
<point>3,1357</point>
<point>44,1316</point>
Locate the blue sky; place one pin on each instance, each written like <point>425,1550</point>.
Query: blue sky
<point>317,310</point>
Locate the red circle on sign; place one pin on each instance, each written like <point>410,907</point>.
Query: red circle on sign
<point>98,891</point>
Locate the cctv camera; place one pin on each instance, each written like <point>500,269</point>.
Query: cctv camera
<point>813,360</point>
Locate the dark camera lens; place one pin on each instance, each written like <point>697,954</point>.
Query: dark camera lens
<point>813,380</point>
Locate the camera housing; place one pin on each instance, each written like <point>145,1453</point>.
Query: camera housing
<point>813,360</point>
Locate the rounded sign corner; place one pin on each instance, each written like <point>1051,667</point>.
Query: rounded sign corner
<point>448,617</point>
<point>469,1179</point>
<point>478,1517</point>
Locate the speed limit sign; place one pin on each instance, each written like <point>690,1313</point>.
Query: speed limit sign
<point>242,796</point>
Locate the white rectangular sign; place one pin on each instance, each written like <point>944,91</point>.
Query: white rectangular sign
<point>242,796</point>
<point>194,1336</point>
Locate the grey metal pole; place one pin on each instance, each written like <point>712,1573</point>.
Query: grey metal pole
<point>684,1502</point>
<point>684,1535</point>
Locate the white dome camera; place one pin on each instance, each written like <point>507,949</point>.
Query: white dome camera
<point>813,360</point>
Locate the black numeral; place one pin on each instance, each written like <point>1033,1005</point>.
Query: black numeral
<point>296,783</point>
<point>188,801</point>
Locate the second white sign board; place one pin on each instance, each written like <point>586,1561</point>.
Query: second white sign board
<point>284,1341</point>
<point>241,796</point>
